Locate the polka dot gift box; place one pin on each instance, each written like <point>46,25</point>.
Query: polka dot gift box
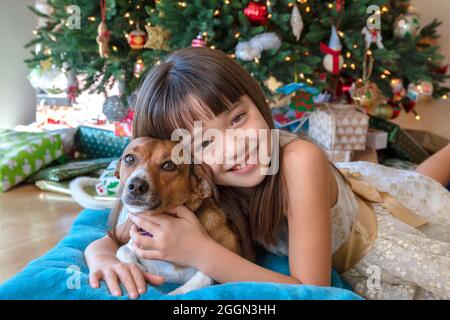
<point>339,127</point>
<point>24,153</point>
<point>94,143</point>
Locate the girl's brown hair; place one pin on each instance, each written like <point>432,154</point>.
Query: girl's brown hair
<point>215,81</point>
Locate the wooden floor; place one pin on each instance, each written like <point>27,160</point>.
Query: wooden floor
<point>31,222</point>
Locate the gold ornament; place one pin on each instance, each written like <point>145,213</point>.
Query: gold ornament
<point>157,38</point>
<point>364,94</point>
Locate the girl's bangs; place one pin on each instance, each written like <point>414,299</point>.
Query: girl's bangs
<point>181,105</point>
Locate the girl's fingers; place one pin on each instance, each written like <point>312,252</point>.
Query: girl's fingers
<point>94,279</point>
<point>184,213</point>
<point>112,283</point>
<point>144,223</point>
<point>138,279</point>
<point>160,219</point>
<point>127,280</point>
<point>153,279</point>
<point>147,254</point>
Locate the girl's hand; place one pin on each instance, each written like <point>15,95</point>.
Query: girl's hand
<point>112,271</point>
<point>179,239</point>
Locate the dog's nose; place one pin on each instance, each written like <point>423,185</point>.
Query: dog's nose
<point>138,187</point>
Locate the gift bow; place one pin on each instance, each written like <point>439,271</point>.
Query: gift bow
<point>364,231</point>
<point>295,86</point>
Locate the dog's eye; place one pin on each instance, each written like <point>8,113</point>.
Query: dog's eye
<point>129,159</point>
<point>168,166</point>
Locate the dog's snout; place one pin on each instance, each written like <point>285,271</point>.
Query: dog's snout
<point>138,187</point>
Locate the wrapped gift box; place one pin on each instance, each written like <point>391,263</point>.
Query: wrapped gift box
<point>428,140</point>
<point>369,155</point>
<point>70,170</point>
<point>123,129</point>
<point>109,184</point>
<point>93,143</point>
<point>339,155</point>
<point>289,119</point>
<point>24,153</point>
<point>400,143</point>
<point>339,127</point>
<point>376,139</point>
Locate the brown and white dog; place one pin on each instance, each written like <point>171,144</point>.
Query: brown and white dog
<point>153,184</point>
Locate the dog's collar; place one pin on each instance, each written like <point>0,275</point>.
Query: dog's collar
<point>142,232</point>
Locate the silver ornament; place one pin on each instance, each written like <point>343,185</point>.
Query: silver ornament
<point>114,109</point>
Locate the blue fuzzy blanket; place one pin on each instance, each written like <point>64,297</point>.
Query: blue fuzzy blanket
<point>62,274</point>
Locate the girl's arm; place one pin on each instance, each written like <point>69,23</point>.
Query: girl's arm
<point>182,239</point>
<point>309,183</point>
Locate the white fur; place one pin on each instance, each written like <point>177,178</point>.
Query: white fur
<point>83,198</point>
<point>190,278</point>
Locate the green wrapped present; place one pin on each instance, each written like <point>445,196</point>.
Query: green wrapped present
<point>24,153</point>
<point>70,170</point>
<point>93,143</point>
<point>401,143</point>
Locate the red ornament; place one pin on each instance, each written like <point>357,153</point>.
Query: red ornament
<point>256,13</point>
<point>441,70</point>
<point>137,39</point>
<point>340,5</point>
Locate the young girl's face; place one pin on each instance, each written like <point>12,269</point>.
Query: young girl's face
<point>232,142</point>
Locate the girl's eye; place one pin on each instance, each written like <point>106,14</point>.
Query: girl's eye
<point>129,159</point>
<point>168,166</point>
<point>238,118</point>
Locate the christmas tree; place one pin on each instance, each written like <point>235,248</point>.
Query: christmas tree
<point>326,44</point>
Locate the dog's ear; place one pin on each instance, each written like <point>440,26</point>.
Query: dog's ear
<point>117,170</point>
<point>204,185</point>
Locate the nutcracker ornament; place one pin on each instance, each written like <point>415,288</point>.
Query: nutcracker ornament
<point>333,60</point>
<point>398,90</point>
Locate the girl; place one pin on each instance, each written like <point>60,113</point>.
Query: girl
<point>307,210</point>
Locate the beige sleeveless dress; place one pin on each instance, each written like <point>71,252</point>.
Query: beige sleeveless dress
<point>404,262</point>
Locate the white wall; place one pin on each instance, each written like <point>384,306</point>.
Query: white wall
<point>17,97</point>
<point>435,116</point>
